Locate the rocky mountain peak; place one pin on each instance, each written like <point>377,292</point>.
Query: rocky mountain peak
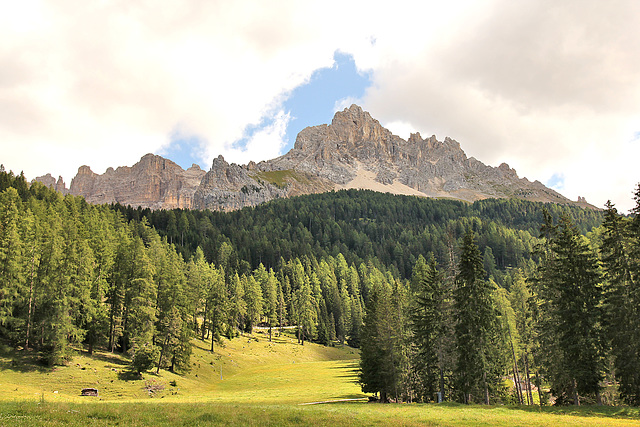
<point>353,115</point>
<point>353,151</point>
<point>153,182</point>
<point>356,151</point>
<point>49,181</point>
<point>415,138</point>
<point>85,170</point>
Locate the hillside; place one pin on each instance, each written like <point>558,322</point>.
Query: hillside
<point>263,384</point>
<point>353,152</point>
<point>252,368</point>
<point>361,225</point>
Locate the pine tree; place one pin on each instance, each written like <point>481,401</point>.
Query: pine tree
<point>140,312</point>
<point>430,317</point>
<point>253,301</point>
<point>237,307</point>
<point>196,287</point>
<point>571,319</point>
<point>217,305</point>
<point>520,298</point>
<point>382,339</point>
<point>622,322</point>
<point>12,278</point>
<point>476,324</point>
<point>356,322</point>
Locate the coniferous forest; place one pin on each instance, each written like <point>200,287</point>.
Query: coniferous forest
<point>498,301</point>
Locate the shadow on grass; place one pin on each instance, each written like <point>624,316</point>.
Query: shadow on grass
<point>584,411</point>
<point>623,412</point>
<point>129,375</point>
<point>351,371</point>
<point>109,358</point>
<point>21,360</point>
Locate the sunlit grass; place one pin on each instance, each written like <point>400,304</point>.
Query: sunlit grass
<point>263,383</point>
<point>339,414</point>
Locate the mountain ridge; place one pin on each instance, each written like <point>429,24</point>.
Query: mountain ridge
<point>353,151</point>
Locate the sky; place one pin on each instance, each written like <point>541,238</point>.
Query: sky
<point>550,87</point>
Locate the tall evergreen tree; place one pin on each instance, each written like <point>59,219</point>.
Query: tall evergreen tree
<point>253,302</point>
<point>431,316</point>
<point>475,326</point>
<point>12,276</point>
<point>381,343</point>
<point>217,305</point>
<point>521,300</point>
<point>571,322</point>
<point>622,317</point>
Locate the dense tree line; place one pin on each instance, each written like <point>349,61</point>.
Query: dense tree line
<point>568,324</point>
<point>391,231</point>
<point>76,275</point>
<point>445,299</point>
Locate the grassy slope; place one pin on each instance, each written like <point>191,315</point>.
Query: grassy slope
<point>263,384</point>
<point>253,370</point>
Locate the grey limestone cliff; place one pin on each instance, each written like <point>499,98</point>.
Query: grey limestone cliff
<point>354,151</point>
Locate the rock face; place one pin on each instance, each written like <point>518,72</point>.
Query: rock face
<point>229,187</point>
<point>154,182</point>
<point>50,182</point>
<point>354,151</point>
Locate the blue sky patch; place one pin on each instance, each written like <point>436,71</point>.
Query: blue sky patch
<point>183,151</point>
<point>314,103</point>
<point>556,181</point>
<point>310,104</point>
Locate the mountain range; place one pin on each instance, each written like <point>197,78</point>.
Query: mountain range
<point>354,151</point>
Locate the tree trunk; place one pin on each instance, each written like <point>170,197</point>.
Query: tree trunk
<point>516,375</point>
<point>539,387</point>
<point>166,341</point>
<point>528,374</point>
<point>515,385</point>
<point>576,396</point>
<point>442,385</point>
<point>26,345</point>
<point>204,320</point>
<point>486,388</point>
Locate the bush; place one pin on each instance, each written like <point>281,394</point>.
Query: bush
<point>144,358</point>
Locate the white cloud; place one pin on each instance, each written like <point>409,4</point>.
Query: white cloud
<point>400,128</point>
<point>549,87</point>
<point>104,83</point>
<point>546,86</point>
<point>343,103</point>
<point>266,143</point>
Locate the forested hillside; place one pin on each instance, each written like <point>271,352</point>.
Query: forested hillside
<point>390,231</point>
<point>445,299</point>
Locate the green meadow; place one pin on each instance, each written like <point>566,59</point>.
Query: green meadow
<point>246,381</point>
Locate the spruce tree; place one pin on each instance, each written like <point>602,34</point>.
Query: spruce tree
<point>571,318</point>
<point>622,322</point>
<point>12,276</point>
<point>217,304</point>
<point>383,355</point>
<point>430,317</point>
<point>475,326</point>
